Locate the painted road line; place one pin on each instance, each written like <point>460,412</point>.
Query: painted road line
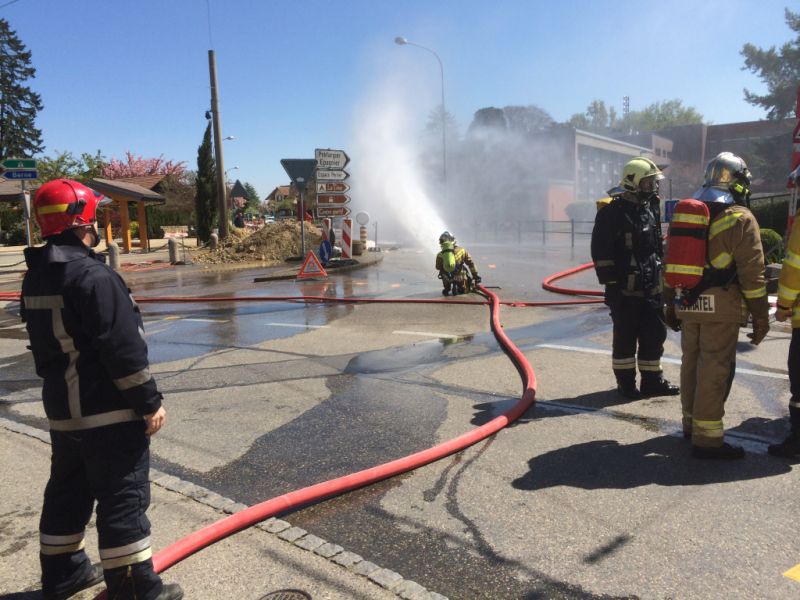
<point>297,325</point>
<point>426,334</point>
<point>793,573</point>
<point>199,320</point>
<point>672,361</point>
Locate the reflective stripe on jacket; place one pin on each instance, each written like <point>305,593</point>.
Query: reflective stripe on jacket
<point>734,240</point>
<point>87,338</point>
<point>789,282</point>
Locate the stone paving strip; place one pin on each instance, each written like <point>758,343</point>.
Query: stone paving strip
<point>386,578</point>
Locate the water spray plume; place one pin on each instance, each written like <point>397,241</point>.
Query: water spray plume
<point>388,175</point>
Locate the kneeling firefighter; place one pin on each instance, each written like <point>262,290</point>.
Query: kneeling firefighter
<point>456,267</point>
<point>731,284</point>
<point>627,251</point>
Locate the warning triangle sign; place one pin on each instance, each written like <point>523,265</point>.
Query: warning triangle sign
<point>311,267</point>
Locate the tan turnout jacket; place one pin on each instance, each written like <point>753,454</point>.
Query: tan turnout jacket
<point>733,238</point>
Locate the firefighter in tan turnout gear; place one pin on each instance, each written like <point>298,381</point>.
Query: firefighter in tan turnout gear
<point>627,253</point>
<point>733,285</point>
<point>789,308</point>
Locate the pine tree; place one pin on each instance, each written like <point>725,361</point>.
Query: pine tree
<point>205,197</point>
<point>779,69</point>
<point>19,136</point>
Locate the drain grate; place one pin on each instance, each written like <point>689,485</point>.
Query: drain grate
<point>286,595</point>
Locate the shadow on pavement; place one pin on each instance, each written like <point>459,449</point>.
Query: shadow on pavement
<point>664,460</point>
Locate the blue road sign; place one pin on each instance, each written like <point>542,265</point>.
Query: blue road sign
<point>16,174</point>
<point>325,251</point>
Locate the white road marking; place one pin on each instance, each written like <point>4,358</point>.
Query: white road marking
<point>673,361</point>
<point>426,334</point>
<point>198,320</point>
<point>298,325</point>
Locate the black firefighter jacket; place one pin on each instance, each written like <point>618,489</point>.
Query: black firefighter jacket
<point>626,247</point>
<point>87,338</point>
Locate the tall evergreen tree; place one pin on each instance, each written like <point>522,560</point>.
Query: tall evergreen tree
<point>253,200</point>
<point>205,196</point>
<point>779,69</point>
<point>19,136</point>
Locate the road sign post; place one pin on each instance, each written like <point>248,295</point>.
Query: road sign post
<point>300,171</point>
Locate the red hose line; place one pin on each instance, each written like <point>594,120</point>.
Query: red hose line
<point>547,283</point>
<point>210,534</point>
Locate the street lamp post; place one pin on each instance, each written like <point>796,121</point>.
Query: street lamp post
<point>401,41</point>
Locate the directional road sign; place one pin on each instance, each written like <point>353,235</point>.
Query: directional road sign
<point>299,170</point>
<point>331,159</point>
<point>332,199</point>
<point>20,174</point>
<point>332,211</point>
<point>18,163</point>
<point>332,187</point>
<point>333,175</point>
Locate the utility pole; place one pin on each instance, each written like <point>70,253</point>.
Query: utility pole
<point>222,201</point>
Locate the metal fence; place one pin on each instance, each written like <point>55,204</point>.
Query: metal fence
<point>530,231</point>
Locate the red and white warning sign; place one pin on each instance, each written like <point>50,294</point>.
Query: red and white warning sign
<point>311,268</point>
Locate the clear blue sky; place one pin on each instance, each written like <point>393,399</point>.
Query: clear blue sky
<point>294,74</point>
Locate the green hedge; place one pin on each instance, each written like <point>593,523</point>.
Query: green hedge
<point>772,242</point>
<point>156,217</point>
<point>772,213</point>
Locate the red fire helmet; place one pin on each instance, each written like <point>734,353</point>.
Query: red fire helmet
<point>63,204</point>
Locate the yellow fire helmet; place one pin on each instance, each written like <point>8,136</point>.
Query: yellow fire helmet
<point>640,175</point>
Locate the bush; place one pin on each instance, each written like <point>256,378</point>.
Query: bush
<point>158,217</point>
<point>772,213</point>
<point>772,242</point>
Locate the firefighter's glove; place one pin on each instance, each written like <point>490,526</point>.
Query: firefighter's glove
<point>671,318</point>
<point>477,279</point>
<point>781,314</point>
<point>613,295</point>
<point>759,307</point>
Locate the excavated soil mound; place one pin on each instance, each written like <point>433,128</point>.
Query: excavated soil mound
<point>272,244</point>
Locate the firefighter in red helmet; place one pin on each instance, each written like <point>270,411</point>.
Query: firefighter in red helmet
<point>101,402</point>
<point>627,252</point>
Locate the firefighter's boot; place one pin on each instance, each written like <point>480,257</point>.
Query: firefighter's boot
<point>789,448</point>
<point>725,452</point>
<point>139,582</point>
<point>626,386</point>
<point>446,289</point>
<point>83,579</point>
<point>656,385</point>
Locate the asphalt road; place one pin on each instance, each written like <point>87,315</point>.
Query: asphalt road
<point>586,496</point>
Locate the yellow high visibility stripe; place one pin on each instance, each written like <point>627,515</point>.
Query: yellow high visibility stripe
<point>791,259</point>
<point>604,263</point>
<point>52,208</point>
<point>684,269</point>
<point>709,428</point>
<point>723,224</point>
<point>691,219</point>
<point>783,290</point>
<point>756,293</point>
<point>722,260</point>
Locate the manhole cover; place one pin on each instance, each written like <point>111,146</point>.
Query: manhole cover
<point>287,595</point>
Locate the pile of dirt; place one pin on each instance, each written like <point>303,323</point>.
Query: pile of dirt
<point>272,244</point>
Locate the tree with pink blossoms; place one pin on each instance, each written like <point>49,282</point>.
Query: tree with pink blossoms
<point>138,166</point>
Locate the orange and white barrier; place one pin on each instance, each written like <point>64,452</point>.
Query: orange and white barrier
<point>347,238</point>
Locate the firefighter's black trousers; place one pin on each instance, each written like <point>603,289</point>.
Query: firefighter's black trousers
<point>794,379</point>
<point>638,324</point>
<point>110,465</point>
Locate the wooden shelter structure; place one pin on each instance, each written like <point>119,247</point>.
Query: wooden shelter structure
<point>122,193</point>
